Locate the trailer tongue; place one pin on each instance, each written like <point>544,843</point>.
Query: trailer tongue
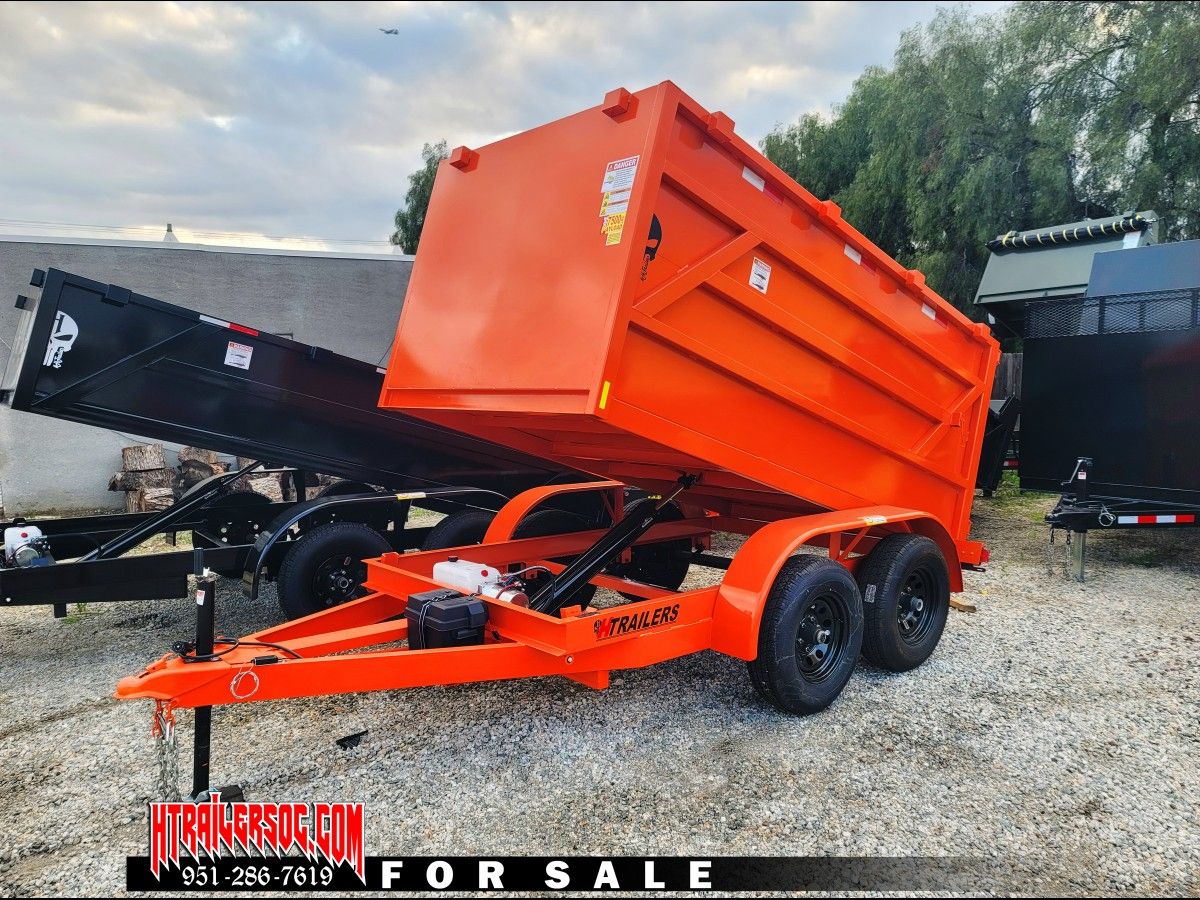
<point>678,315</point>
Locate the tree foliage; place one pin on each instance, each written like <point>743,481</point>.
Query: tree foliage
<point>410,218</point>
<point>1045,113</point>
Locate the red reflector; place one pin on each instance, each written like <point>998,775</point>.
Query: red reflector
<point>985,555</point>
<point>253,332</point>
<point>24,534</point>
<point>1185,518</point>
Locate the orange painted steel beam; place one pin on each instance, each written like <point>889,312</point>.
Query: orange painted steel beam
<point>534,644</point>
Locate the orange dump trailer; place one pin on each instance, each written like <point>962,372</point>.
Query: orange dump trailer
<point>635,292</point>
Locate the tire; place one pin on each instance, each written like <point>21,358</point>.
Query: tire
<point>663,565</point>
<point>467,526</point>
<point>814,604</point>
<point>325,568</point>
<point>903,568</point>
<point>547,522</point>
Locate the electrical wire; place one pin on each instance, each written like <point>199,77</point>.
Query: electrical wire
<point>234,643</point>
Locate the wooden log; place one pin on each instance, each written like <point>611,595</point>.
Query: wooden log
<point>267,485</point>
<point>194,471</point>
<point>197,455</point>
<point>143,458</point>
<point>155,499</point>
<point>132,501</point>
<point>133,481</point>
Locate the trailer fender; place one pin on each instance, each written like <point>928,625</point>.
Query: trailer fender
<point>737,610</point>
<point>515,510</point>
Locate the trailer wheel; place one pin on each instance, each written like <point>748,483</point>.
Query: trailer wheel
<point>906,592</point>
<point>325,567</point>
<point>467,526</point>
<point>810,636</point>
<point>547,522</point>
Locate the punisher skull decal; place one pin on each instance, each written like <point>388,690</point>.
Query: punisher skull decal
<point>62,337</point>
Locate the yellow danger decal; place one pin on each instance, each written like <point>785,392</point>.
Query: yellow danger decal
<point>613,228</point>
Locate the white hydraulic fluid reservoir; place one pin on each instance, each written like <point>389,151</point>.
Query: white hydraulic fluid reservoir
<point>25,546</point>
<point>477,578</point>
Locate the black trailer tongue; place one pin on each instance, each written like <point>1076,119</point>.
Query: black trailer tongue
<point>105,356</point>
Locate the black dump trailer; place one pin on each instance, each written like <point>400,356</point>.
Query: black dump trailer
<point>1110,407</point>
<point>1000,448</point>
<point>104,356</point>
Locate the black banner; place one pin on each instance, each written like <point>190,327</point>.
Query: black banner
<point>569,873</point>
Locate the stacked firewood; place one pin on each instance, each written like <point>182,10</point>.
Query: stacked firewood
<point>151,485</point>
<point>145,478</point>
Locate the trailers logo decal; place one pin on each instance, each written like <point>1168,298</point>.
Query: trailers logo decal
<point>616,626</point>
<point>653,242</point>
<point>62,338</point>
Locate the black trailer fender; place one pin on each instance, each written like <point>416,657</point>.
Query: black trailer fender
<point>349,507</point>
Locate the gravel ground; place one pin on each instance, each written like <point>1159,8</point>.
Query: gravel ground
<point>1053,733</point>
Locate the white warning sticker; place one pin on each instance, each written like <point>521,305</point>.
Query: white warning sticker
<point>852,253</point>
<point>238,355</point>
<point>760,275</point>
<point>929,311</point>
<point>619,175</point>
<point>754,178</point>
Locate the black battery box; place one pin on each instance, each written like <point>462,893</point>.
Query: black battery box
<point>444,618</point>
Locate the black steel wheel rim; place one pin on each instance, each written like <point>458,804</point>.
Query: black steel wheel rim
<point>821,637</point>
<point>338,579</point>
<point>916,606</point>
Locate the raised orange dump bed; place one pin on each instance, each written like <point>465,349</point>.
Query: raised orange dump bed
<point>635,291</point>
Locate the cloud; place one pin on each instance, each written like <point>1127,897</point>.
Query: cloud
<point>305,119</point>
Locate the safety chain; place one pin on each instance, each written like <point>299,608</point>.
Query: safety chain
<point>166,750</point>
<point>1053,565</point>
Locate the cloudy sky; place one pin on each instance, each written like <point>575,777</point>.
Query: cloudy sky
<point>303,120</point>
